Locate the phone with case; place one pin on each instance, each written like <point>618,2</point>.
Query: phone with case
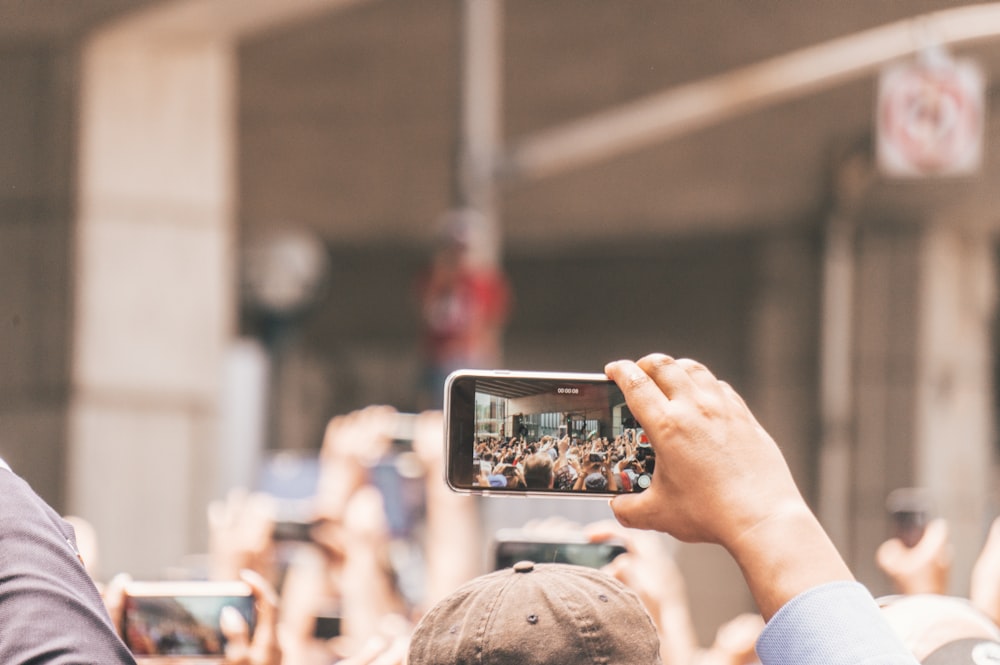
<point>181,619</point>
<point>500,423</point>
<point>513,545</point>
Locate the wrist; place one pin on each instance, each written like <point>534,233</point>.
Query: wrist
<point>785,554</point>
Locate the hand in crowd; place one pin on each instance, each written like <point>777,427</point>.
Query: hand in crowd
<point>240,535</point>
<point>649,569</point>
<point>452,524</point>
<point>351,444</point>
<point>734,642</point>
<point>262,649</point>
<point>923,568</point>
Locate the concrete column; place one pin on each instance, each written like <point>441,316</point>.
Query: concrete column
<point>886,310</point>
<point>36,120</point>
<point>923,395</point>
<point>155,301</point>
<point>953,443</point>
<point>782,349</point>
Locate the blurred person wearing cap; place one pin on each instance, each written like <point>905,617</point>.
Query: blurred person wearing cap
<point>720,479</point>
<point>537,614</point>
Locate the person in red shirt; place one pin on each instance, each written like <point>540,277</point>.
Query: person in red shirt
<point>464,303</point>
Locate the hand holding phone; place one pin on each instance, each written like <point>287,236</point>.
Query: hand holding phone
<point>170,619</point>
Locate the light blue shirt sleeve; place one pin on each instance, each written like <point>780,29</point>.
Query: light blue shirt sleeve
<point>833,624</point>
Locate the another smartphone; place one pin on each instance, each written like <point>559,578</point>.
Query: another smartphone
<point>498,419</point>
<point>909,510</point>
<point>513,545</point>
<point>326,626</point>
<point>399,476</point>
<point>181,619</point>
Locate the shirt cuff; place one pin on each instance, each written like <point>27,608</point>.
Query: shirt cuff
<point>837,623</point>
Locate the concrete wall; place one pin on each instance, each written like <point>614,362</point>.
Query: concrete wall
<point>36,208</point>
<point>154,292</point>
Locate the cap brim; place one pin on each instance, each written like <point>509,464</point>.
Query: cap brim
<point>974,651</point>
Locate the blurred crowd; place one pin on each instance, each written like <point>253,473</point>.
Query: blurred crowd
<point>344,591</point>
<point>335,593</point>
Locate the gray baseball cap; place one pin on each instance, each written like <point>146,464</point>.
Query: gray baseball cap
<point>972,651</point>
<point>537,614</point>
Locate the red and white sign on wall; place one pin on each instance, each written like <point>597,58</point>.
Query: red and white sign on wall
<point>930,115</point>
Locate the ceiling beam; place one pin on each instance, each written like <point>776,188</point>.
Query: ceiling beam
<point>694,106</point>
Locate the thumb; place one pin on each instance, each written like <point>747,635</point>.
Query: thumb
<point>631,510</point>
<point>237,633</point>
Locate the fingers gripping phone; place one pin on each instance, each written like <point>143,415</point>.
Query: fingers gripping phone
<point>173,619</point>
<point>552,427</point>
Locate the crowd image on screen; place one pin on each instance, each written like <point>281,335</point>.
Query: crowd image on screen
<point>572,462</point>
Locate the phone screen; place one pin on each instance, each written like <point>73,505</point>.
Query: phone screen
<point>536,432</point>
<point>170,620</point>
<point>909,510</point>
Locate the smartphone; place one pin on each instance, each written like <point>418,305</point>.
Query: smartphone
<point>500,417</point>
<point>909,511</point>
<point>181,619</point>
<point>326,626</point>
<point>513,545</point>
<point>399,477</point>
<point>292,531</point>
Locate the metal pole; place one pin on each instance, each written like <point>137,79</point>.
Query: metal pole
<point>837,351</point>
<point>481,109</point>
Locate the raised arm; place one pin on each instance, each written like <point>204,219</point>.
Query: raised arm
<point>724,479</point>
<point>720,478</point>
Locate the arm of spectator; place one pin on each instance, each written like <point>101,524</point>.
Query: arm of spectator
<point>722,479</point>
<point>307,590</point>
<point>734,642</point>
<point>351,443</point>
<point>452,524</point>
<point>581,477</point>
<point>649,569</point>
<point>561,447</point>
<point>611,476</point>
<point>368,590</point>
<point>984,590</point>
<point>923,568</point>
<point>263,648</point>
<point>386,648</point>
